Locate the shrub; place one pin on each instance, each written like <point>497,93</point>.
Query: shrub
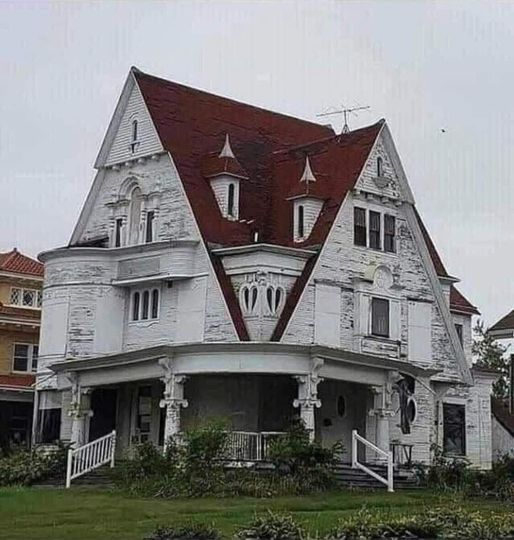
<point>272,527</point>
<point>445,472</point>
<point>24,467</point>
<point>188,531</point>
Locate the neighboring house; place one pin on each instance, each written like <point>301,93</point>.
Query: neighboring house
<point>21,281</point>
<point>234,262</point>
<point>503,417</point>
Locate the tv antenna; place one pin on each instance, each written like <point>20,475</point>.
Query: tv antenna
<point>345,111</point>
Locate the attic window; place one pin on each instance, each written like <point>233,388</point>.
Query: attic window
<point>300,223</point>
<point>380,167</point>
<point>134,142</point>
<point>230,200</point>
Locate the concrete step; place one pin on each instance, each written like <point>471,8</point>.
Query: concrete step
<point>347,476</point>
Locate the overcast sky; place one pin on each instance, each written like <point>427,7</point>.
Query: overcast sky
<point>424,66</point>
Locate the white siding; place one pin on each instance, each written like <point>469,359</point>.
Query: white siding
<point>54,327</point>
<point>149,142</point>
<point>191,310</point>
<point>420,331</point>
<point>311,210</point>
<point>327,315</point>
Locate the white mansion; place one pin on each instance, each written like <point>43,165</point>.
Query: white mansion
<point>234,262</point>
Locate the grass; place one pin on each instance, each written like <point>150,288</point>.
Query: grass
<point>38,514</point>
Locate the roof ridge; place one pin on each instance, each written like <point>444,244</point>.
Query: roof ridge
<point>138,73</point>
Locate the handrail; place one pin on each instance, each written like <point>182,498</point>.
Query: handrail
<point>90,456</point>
<point>356,438</point>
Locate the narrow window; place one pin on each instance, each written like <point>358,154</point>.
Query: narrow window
<point>359,226</point>
<point>301,230</point>
<point>458,329</point>
<point>454,432</point>
<point>134,141</point>
<point>35,355</point>
<point>230,204</point>
<point>269,298</point>
<point>155,304</point>
<point>380,317</point>
<point>135,215</point>
<point>135,306</point>
<point>15,297</point>
<point>150,216</point>
<point>146,305</point>
<point>117,232</point>
<point>380,167</point>
<point>374,230</point>
<point>21,357</point>
<point>389,233</point>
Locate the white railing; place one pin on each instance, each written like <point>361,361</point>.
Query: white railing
<point>387,456</point>
<point>90,456</point>
<point>249,445</point>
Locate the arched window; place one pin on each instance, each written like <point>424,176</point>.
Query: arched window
<point>274,299</point>
<point>230,200</point>
<point>134,141</point>
<point>155,304</point>
<point>146,305</point>
<point>301,228</point>
<point>380,167</point>
<point>135,306</point>
<point>135,215</point>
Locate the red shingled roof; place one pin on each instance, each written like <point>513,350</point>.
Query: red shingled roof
<point>458,302</point>
<point>17,263</point>
<point>271,150</point>
<point>20,381</point>
<point>505,323</point>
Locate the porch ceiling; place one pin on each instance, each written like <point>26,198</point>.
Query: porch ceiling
<point>236,357</point>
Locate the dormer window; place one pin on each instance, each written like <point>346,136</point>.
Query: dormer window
<point>230,199</point>
<point>300,222</point>
<point>134,143</point>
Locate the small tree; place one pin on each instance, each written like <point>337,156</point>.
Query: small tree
<point>491,354</point>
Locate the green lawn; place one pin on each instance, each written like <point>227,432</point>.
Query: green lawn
<point>33,514</point>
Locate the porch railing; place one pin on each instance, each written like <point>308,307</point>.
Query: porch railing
<point>250,446</point>
<point>387,456</point>
<point>90,456</point>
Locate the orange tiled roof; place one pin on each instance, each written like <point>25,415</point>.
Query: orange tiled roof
<point>17,263</point>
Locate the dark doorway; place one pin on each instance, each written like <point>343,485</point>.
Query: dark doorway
<point>276,397</point>
<point>454,433</point>
<point>103,405</point>
<point>15,423</point>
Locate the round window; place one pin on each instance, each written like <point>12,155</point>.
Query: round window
<point>341,406</point>
<point>412,410</point>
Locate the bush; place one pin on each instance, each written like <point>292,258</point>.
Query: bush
<point>445,472</point>
<point>189,531</point>
<point>24,467</point>
<point>272,527</point>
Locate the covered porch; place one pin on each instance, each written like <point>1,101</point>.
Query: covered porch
<point>255,388</point>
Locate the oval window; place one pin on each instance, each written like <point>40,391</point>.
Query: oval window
<point>341,406</point>
<point>412,410</point>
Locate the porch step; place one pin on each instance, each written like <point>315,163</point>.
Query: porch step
<point>101,478</point>
<point>347,477</point>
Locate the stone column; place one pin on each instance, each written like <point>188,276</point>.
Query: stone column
<point>173,401</point>
<point>307,400</point>
<point>80,413</point>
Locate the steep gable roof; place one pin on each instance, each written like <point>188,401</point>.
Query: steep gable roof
<point>17,263</point>
<point>505,323</point>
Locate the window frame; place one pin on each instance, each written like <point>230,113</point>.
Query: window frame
<point>149,226</point>
<point>459,328</point>
<point>358,227</point>
<point>32,360</point>
<point>118,232</point>
<point>138,307</point>
<point>376,300</point>
<point>300,224</point>
<point>462,426</point>
<point>364,232</point>
<point>378,232</point>
<point>231,200</point>
<point>389,235</point>
<point>37,295</point>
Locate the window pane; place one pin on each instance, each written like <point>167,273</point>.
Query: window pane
<point>374,230</point>
<point>300,222</point>
<point>35,354</point>
<point>389,233</point>
<point>135,307</point>
<point>15,297</point>
<point>155,304</point>
<point>149,226</point>
<point>117,234</point>
<point>380,317</point>
<point>146,305</point>
<point>21,357</point>
<point>458,328</point>
<point>359,226</point>
<point>454,418</point>
<point>39,299</point>
<point>29,298</point>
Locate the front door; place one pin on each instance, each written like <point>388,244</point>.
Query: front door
<point>103,405</point>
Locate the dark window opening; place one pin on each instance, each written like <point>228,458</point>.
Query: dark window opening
<point>454,432</point>
<point>301,229</point>
<point>459,329</point>
<point>341,406</point>
<point>389,233</point>
<point>146,305</point>
<point>135,307</point>
<point>230,204</point>
<point>374,230</point>
<point>150,216</point>
<point>359,227</point>
<point>155,304</point>
<point>117,235</point>
<point>380,317</point>
<point>134,142</point>
<point>380,167</point>
<point>49,425</point>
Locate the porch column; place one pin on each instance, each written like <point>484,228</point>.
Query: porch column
<point>307,400</point>
<point>80,413</point>
<point>173,400</point>
<point>382,412</point>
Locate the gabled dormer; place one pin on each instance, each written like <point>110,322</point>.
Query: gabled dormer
<point>224,173</point>
<point>307,204</point>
